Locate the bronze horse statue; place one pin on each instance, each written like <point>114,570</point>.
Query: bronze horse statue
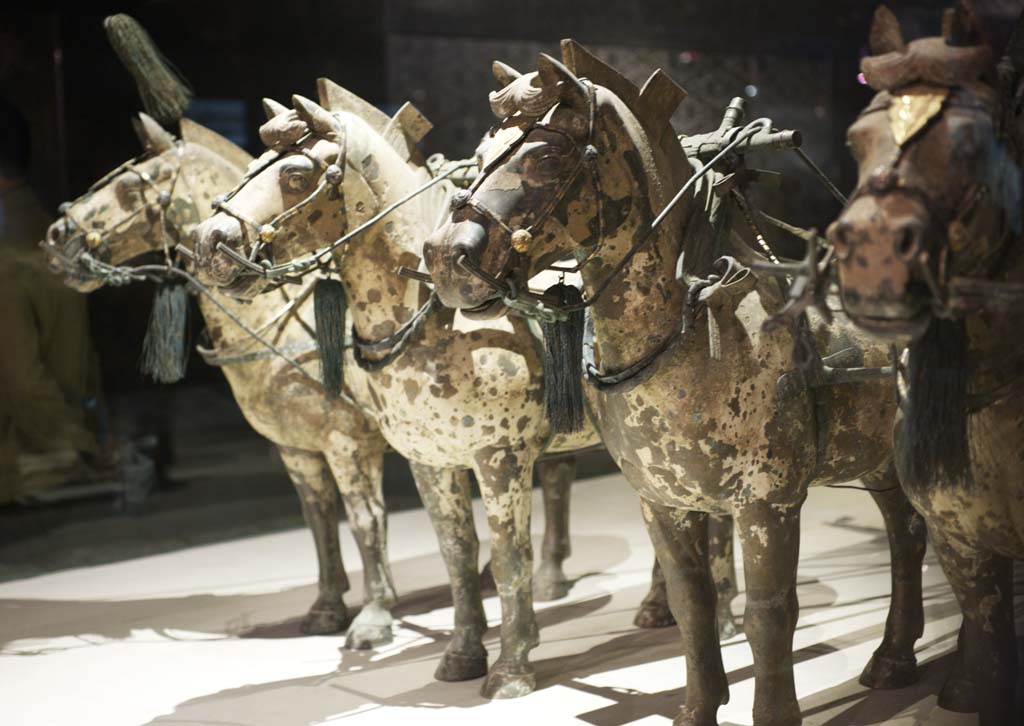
<point>684,382</point>
<point>929,253</point>
<point>139,211</point>
<point>451,395</point>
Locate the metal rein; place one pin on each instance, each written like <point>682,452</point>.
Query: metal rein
<point>530,303</point>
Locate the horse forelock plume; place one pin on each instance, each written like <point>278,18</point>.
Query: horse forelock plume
<point>283,130</point>
<point>524,95</point>
<point>929,60</point>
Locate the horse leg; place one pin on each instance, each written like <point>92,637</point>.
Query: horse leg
<point>314,485</point>
<point>680,539</point>
<point>983,584</point>
<point>770,540</point>
<point>446,497</point>
<point>506,478</point>
<point>654,611</point>
<point>358,470</point>
<point>723,570</point>
<point>894,664</point>
<point>958,693</point>
<point>556,478</point>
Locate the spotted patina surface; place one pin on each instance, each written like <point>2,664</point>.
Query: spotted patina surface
<point>465,395</point>
<point>694,433</point>
<point>324,443</point>
<point>938,202</point>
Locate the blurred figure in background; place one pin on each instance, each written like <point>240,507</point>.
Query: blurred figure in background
<point>49,378</point>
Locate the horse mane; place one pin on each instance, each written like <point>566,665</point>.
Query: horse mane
<point>402,131</point>
<point>194,133</point>
<point>653,105</point>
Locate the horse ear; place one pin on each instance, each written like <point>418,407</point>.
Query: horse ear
<point>319,119</point>
<point>503,73</point>
<point>152,135</point>
<point>273,108</point>
<point>886,35</point>
<point>960,25</point>
<point>553,74</point>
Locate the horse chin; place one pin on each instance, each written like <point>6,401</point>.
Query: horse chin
<point>489,310</point>
<point>901,331</point>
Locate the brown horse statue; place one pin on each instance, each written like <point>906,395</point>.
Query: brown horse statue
<point>452,395</point>
<point>930,254</point>
<point>686,386</point>
<point>141,209</point>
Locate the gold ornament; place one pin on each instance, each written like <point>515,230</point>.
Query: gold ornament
<point>912,108</point>
<point>521,240</point>
<point>267,234</point>
<point>93,240</point>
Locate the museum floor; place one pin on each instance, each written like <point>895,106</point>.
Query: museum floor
<point>207,634</point>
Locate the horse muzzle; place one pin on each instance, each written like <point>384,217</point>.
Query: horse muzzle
<point>445,253</point>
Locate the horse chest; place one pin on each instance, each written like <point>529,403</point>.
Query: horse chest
<point>450,396</point>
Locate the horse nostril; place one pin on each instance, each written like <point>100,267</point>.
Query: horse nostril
<point>909,243</point>
<point>838,235</point>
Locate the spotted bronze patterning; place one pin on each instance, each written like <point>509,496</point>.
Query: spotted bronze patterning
<point>464,395</point>
<point>698,431</point>
<point>324,444</point>
<point>929,254</point>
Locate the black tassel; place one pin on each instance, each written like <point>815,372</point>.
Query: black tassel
<point>935,427</point>
<point>330,306</point>
<point>164,91</point>
<point>563,364</point>
<point>165,348</point>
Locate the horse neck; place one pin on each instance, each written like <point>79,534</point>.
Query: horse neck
<point>379,299</point>
<point>645,296</point>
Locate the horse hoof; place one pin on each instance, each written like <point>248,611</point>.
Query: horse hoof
<point>883,672</point>
<point>367,637</point>
<point>654,615</point>
<point>550,583</point>
<point>687,717</point>
<point>461,666</point>
<point>957,694</point>
<point>324,622</point>
<point>726,628</point>
<point>501,683</point>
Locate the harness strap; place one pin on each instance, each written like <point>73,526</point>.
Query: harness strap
<point>396,343</point>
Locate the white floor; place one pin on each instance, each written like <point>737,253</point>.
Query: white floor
<point>208,635</point>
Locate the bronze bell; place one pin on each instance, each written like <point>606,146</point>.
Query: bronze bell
<point>521,240</point>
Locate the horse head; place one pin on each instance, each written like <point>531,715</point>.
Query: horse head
<point>145,206</point>
<point>938,193</point>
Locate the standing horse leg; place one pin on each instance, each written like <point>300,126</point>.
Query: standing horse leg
<point>358,471</point>
<point>506,478</point>
<point>723,570</point>
<point>556,478</point>
<point>315,488</point>
<point>770,539</point>
<point>957,693</point>
<point>654,611</point>
<point>446,496</point>
<point>680,539</point>
<point>894,664</point>
<point>983,583</point>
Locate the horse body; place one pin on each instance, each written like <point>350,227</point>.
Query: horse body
<point>701,427</point>
<point>930,240</point>
<point>322,443</point>
<point>460,396</point>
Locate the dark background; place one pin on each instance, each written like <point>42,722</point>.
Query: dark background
<point>802,56</point>
<point>797,60</point>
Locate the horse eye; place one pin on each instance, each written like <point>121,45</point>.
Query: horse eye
<point>295,181</point>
